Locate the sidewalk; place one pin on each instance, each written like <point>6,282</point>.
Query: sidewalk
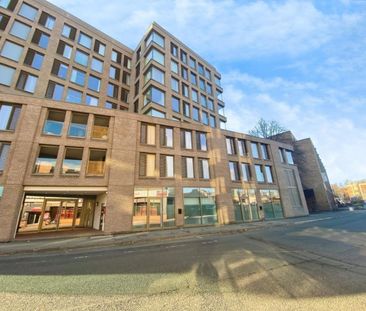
<point>75,242</point>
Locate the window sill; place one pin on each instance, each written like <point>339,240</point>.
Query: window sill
<point>44,175</point>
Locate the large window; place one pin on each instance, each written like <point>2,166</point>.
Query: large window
<point>54,123</point>
<point>155,74</point>
<point>166,137</point>
<point>199,206</point>
<point>259,173</point>
<point>148,134</point>
<point>41,39</point>
<point>187,167</point>
<point>9,116</point>
<point>8,4</point>
<point>91,100</point>
<point>185,90</point>
<point>186,139</point>
<point>60,69</point>
<point>289,157</point>
<point>154,95</point>
<point>112,90</point>
<point>175,104</point>
<point>47,20</point>
<point>166,166</point>
<point>174,66</point>
<point>186,110</point>
<point>78,76</point>
<point>230,145</point>
<point>184,73</point>
<point>204,117</point>
<point>147,165</point>
<point>28,11</point>
<point>245,204</point>
<point>245,171</point>
<point>34,59</point>
<point>194,95</point>
<point>268,170</point>
<point>201,140</point>
<point>99,47</point>
<point>78,125</point>
<point>196,114</point>
<point>69,32</point>
<point>64,49</point>
<point>74,96</point>
<point>72,161</point>
<point>94,83</point>
<point>12,51</point>
<point>96,163</point>
<point>264,149</point>
<point>81,58</point>
<point>6,75</point>
<point>204,168</point>
<point>242,147</point>
<point>271,203</point>
<point>96,65</point>
<point>20,30</point>
<point>27,82</point>
<point>114,73</point>
<point>85,40</point>
<point>46,160</point>
<point>255,152</point>
<point>292,189</point>
<point>234,171</point>
<point>116,57</point>
<point>175,85</point>
<point>173,49</point>
<point>155,55</point>
<point>4,151</point>
<point>100,127</point>
<point>155,37</point>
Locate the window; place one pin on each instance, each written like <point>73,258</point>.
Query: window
<point>155,74</point>
<point>173,49</point>
<point>259,173</point>
<point>96,65</point>
<point>183,56</point>
<point>6,74</point>
<point>234,171</point>
<point>268,171</point>
<point>289,157</point>
<point>34,59</point>
<point>201,70</point>
<point>54,123</point>
<point>12,51</point>
<point>81,58</point>
<point>242,147</point>
<point>155,113</point>
<point>292,188</point>
<point>126,78</point>
<point>186,110</point>
<point>114,73</point>
<point>54,91</point>
<point>78,125</point>
<point>72,161</point>
<point>209,88</point>
<point>187,167</point>
<point>175,85</point>
<point>99,47</point>
<point>184,73</point>
<point>203,100</point>
<point>4,151</point>
<point>148,134</point>
<point>222,124</point>
<point>91,100</point>
<point>221,110</point>
<point>217,81</point>
<point>208,74</point>
<point>20,30</point>
<point>219,95</point>
<point>212,121</point>
<point>204,117</point>
<point>210,104</point>
<point>271,203</point>
<point>69,32</point>
<point>110,105</point>
<point>47,20</point>
<point>264,150</point>
<point>94,83</point>
<point>64,49</point>
<point>175,104</point>
<point>166,137</point>
<point>41,38</point>
<point>193,78</point>
<point>255,153</point>
<point>154,95</point>
<point>201,140</point>
<point>166,166</point>
<point>245,171</point>
<point>202,85</point>
<point>155,37</point>
<point>116,57</point>
<point>85,40</point>
<point>100,127</point>
<point>280,151</point>
<point>73,96</point>
<point>186,137</point>
<point>155,55</point>
<point>196,114</point>
<point>59,69</point>
<point>8,4</point>
<point>230,145</point>
<point>147,165</point>
<point>124,95</point>
<point>112,90</point>
<point>96,163</point>
<point>185,91</point>
<point>127,62</point>
<point>9,116</point>
<point>192,63</point>
<point>204,169</point>
<point>194,95</point>
<point>174,67</point>
<point>27,82</point>
<point>28,11</point>
<point>78,76</point>
<point>46,160</point>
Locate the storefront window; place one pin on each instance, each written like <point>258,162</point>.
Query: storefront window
<point>245,204</point>
<point>271,203</point>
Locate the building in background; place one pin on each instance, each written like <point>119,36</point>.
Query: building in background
<point>351,191</point>
<point>97,136</point>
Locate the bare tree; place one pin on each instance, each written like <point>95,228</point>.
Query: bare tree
<point>267,129</point>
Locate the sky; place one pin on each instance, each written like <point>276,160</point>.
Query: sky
<point>301,63</point>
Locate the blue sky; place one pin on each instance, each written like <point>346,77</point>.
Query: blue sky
<point>302,63</point>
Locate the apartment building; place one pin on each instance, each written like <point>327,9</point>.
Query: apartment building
<point>97,136</point>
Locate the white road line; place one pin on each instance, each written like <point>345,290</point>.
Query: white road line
<point>312,220</point>
<point>80,257</point>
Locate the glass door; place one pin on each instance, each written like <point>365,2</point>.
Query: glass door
<point>50,215</point>
<point>67,214</point>
<point>140,213</point>
<point>154,210</point>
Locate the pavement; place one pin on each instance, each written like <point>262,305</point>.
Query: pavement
<point>78,240</point>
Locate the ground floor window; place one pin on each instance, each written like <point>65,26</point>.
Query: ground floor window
<point>245,204</point>
<point>199,206</point>
<point>271,203</point>
<point>154,208</point>
<point>55,213</point>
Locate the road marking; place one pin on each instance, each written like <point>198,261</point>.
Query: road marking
<point>80,257</point>
<point>312,220</point>
<point>209,242</point>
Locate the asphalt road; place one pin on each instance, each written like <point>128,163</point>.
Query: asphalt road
<point>317,264</point>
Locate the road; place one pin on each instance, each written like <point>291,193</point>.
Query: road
<point>317,264</point>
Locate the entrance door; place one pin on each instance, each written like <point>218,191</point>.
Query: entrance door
<point>154,213</point>
<point>147,213</point>
<point>67,214</point>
